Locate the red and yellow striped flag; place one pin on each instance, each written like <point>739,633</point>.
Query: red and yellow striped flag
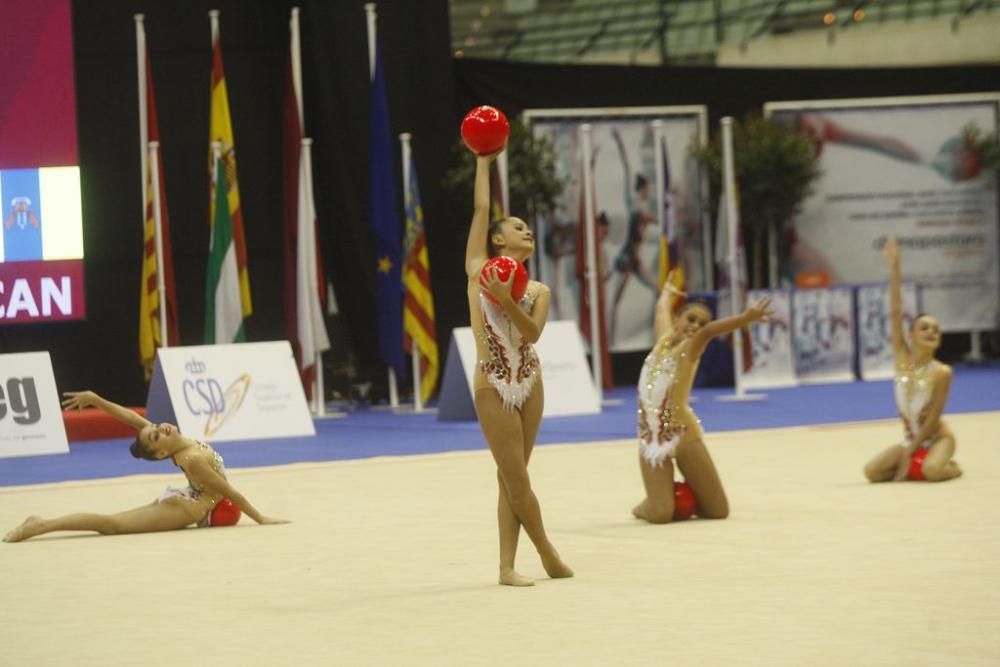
<point>418,302</point>
<point>149,294</point>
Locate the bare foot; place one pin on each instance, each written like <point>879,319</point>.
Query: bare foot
<point>639,511</point>
<point>510,577</point>
<point>32,526</point>
<point>554,566</point>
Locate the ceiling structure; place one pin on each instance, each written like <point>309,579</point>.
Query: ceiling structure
<point>667,31</point>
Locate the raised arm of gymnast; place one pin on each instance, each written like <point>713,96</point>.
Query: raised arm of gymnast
<point>663,320</point>
<point>755,312</point>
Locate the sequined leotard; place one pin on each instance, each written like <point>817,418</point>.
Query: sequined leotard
<point>660,430</point>
<point>914,387</point>
<point>194,492</point>
<point>510,365</point>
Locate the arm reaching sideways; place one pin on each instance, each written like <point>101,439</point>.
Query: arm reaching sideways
<point>201,472</point>
<point>87,399</point>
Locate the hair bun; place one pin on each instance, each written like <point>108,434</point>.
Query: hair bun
<point>135,450</point>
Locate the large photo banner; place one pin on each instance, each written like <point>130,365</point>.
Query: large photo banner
<point>626,179</point>
<point>875,353</point>
<point>901,168</point>
<point>823,338</point>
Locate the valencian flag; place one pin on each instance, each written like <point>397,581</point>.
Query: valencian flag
<point>669,244</point>
<point>385,226</point>
<point>227,297</point>
<point>150,329</point>
<point>418,303</point>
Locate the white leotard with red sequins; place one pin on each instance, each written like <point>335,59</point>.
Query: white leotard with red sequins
<point>512,366</point>
<point>659,432</point>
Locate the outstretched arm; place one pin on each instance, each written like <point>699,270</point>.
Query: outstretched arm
<point>760,310</point>
<point>664,318</point>
<point>201,472</point>
<point>475,247</point>
<point>86,399</point>
<point>891,252</point>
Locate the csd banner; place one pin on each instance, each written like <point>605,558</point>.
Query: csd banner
<point>771,344</point>
<point>30,415</point>
<point>875,356</point>
<point>245,391</point>
<point>824,334</point>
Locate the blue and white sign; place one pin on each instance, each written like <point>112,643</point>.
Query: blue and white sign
<point>244,391</point>
<point>771,344</point>
<point>30,414</point>
<point>823,336</point>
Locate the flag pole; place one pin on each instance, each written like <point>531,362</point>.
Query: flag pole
<point>312,287</point>
<point>418,399</point>
<point>658,172</point>
<point>591,272</point>
<point>140,48</point>
<point>735,275</point>
<point>161,284</point>
<point>371,17</point>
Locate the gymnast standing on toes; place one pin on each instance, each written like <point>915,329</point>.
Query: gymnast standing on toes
<point>175,508</point>
<point>921,386</point>
<point>507,382</point>
<point>668,427</point>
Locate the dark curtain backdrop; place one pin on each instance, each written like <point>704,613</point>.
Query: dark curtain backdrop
<point>428,94</point>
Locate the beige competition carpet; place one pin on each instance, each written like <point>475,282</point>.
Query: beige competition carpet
<point>392,561</point>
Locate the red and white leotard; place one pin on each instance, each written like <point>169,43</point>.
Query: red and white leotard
<point>510,365</point>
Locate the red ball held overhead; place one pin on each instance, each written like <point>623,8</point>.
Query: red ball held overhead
<point>485,130</point>
<point>504,265</point>
<point>685,503</point>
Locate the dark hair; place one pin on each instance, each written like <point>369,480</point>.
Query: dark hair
<point>494,229</point>
<point>640,182</point>
<point>696,302</point>
<point>917,317</point>
<point>140,451</point>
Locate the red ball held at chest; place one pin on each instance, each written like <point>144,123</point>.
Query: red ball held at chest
<point>485,130</point>
<point>504,265</point>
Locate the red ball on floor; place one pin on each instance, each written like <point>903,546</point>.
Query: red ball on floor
<point>685,502</point>
<point>917,465</point>
<point>225,514</point>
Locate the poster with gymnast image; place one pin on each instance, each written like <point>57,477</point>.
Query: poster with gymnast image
<point>823,334</point>
<point>900,168</point>
<point>623,164</point>
<point>773,362</point>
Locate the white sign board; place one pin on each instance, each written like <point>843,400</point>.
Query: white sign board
<point>771,344</point>
<point>244,391</point>
<point>30,415</point>
<point>823,337</point>
<point>569,386</point>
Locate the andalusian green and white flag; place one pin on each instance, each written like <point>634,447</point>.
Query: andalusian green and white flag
<point>223,309</point>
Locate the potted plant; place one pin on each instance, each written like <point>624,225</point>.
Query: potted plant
<point>775,166</point>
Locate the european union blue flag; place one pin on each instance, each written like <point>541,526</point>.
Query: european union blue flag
<point>21,217</point>
<point>386,227</point>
